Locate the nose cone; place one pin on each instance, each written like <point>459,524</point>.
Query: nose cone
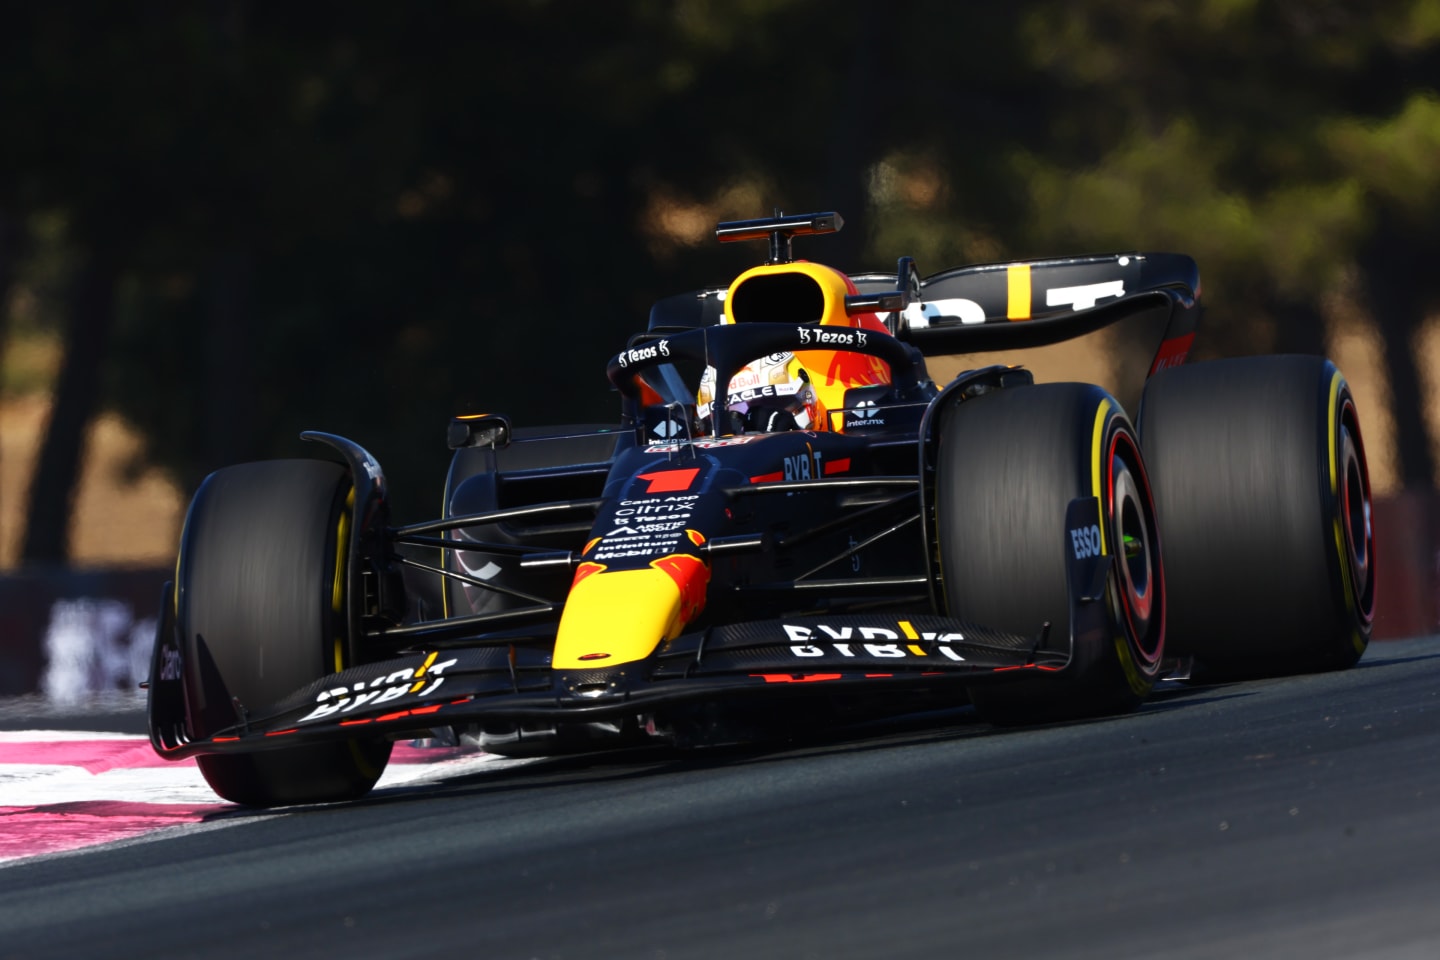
<point>619,616</point>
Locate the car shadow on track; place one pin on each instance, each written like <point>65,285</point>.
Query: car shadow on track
<point>1367,664</point>
<point>645,762</point>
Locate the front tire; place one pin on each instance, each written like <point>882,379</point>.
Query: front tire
<point>1009,464</point>
<point>261,612</point>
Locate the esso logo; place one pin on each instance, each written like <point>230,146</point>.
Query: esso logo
<point>1086,542</point>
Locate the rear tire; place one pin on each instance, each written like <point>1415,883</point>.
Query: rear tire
<point>1260,480</point>
<point>261,613</point>
<point>1009,464</point>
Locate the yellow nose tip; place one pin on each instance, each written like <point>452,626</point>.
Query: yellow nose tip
<point>626,614</point>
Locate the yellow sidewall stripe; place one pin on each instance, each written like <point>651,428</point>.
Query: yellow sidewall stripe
<point>1139,683</point>
<point>1352,600</point>
<point>1334,467</point>
<point>337,589</point>
<point>1097,458</point>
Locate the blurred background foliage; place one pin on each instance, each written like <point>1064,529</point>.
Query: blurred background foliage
<point>229,221</point>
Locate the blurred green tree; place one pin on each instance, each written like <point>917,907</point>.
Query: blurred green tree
<point>362,218</point>
<point>1290,147</point>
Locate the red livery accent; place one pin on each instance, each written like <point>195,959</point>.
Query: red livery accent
<point>1172,353</point>
<point>584,570</point>
<point>691,575</point>
<point>670,481</point>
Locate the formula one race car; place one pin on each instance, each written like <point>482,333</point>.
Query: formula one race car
<point>790,524</point>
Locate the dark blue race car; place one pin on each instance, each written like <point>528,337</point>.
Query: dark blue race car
<point>789,524</point>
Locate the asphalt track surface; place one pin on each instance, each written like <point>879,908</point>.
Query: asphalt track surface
<point>1279,818</point>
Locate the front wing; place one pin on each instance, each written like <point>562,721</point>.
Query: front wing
<point>515,682</point>
<point>502,678</point>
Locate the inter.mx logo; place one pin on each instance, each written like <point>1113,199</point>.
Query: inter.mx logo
<point>865,411</point>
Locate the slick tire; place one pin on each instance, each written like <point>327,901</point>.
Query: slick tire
<point>261,611</point>
<point>1264,499</point>
<point>1009,463</point>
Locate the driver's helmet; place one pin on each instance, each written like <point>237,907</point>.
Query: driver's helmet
<point>771,394</point>
<point>789,391</point>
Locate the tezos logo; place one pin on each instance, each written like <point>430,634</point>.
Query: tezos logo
<point>1086,542</point>
<point>832,338</point>
<point>636,354</point>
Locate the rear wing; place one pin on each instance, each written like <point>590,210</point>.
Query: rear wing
<point>1007,306</point>
<point>1004,306</point>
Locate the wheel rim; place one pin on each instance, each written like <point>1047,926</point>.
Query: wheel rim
<point>1139,579</point>
<point>1355,516</point>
